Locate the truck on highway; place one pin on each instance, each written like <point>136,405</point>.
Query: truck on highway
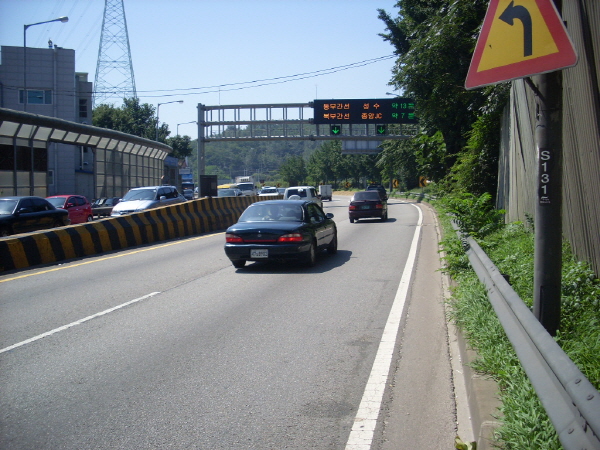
<point>325,191</point>
<point>246,185</point>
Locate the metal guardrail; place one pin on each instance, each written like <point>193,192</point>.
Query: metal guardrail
<point>416,195</point>
<point>570,400</point>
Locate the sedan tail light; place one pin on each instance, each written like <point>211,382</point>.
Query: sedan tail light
<point>379,206</point>
<point>231,238</point>
<point>291,237</point>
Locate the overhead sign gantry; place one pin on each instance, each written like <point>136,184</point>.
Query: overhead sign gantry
<point>346,120</point>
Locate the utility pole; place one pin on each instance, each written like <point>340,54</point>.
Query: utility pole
<point>548,212</point>
<point>201,150</point>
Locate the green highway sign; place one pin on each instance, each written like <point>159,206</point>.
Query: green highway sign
<point>356,111</point>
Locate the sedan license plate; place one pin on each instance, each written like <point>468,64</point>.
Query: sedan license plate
<point>259,253</point>
<point>365,207</point>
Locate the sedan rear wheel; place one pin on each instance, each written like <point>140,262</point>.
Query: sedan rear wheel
<point>351,220</point>
<point>90,218</point>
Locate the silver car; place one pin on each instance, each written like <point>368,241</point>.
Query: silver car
<point>149,197</point>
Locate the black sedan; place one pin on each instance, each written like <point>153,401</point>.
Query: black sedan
<point>367,204</point>
<point>25,214</point>
<point>103,206</point>
<point>281,230</point>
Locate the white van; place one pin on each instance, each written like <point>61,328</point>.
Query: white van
<point>304,192</point>
<point>149,197</point>
<point>247,188</point>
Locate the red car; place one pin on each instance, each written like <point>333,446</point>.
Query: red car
<point>367,204</point>
<point>78,207</point>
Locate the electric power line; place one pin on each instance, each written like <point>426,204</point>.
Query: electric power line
<point>276,80</point>
<point>242,84</point>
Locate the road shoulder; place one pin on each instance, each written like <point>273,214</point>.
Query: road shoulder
<point>428,409</point>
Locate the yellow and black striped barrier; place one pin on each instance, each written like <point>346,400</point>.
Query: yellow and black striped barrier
<point>116,233</point>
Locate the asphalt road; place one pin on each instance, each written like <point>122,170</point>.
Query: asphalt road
<point>169,347</point>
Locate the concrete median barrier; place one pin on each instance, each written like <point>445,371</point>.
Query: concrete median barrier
<point>116,233</point>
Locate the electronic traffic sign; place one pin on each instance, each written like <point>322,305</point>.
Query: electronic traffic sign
<point>356,111</point>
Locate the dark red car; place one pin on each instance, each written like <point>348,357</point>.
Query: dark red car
<point>366,205</point>
<point>78,207</point>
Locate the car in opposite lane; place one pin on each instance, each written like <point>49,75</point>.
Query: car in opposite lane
<point>367,204</point>
<point>281,230</point>
<point>268,191</point>
<point>29,213</point>
<point>149,197</point>
<point>229,192</point>
<point>103,206</point>
<point>78,207</point>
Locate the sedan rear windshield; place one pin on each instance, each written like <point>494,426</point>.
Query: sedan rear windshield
<point>369,195</point>
<point>300,192</point>
<point>286,213</point>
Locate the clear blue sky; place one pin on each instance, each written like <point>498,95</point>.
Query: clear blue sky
<point>181,49</point>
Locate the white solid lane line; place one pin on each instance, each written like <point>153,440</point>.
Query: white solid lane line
<point>78,322</point>
<point>363,429</point>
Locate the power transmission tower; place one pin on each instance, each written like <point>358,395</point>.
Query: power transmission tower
<point>114,71</point>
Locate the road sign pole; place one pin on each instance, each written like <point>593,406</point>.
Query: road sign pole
<point>201,150</point>
<point>548,219</point>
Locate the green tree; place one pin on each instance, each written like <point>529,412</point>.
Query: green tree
<point>398,158</point>
<point>324,162</point>
<point>434,41</point>
<point>476,169</point>
<point>293,170</point>
<point>131,118</point>
<point>181,145</point>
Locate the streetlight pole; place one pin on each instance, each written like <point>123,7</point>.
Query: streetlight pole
<point>60,19</point>
<point>157,108</point>
<point>193,121</point>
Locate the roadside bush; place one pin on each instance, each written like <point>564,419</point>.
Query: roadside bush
<point>475,216</point>
<point>525,422</point>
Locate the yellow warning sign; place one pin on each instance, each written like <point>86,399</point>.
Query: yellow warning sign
<point>515,26</point>
<point>519,38</point>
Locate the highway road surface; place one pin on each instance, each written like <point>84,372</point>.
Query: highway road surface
<point>169,346</point>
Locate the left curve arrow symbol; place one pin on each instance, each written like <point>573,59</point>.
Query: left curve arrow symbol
<point>521,13</point>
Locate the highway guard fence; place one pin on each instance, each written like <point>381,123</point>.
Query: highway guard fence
<point>570,400</point>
